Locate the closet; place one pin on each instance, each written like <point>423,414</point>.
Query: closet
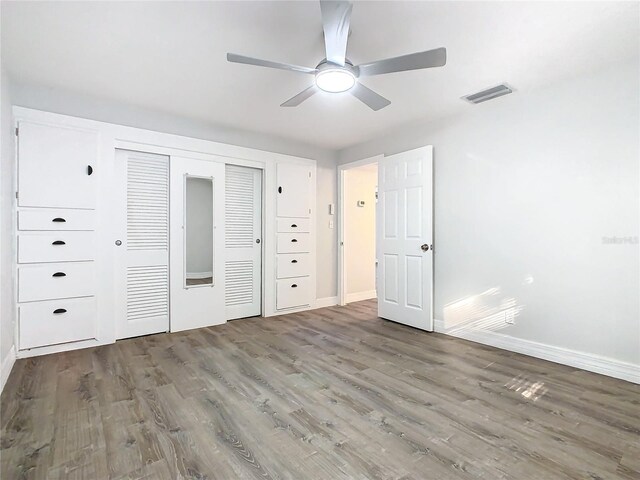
<point>122,232</point>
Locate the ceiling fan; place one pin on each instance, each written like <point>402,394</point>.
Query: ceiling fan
<point>336,73</point>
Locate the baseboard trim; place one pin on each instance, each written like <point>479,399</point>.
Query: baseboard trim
<point>7,365</point>
<point>359,296</point>
<point>592,363</point>
<point>326,302</point>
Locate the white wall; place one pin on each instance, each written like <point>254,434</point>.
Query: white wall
<point>199,227</point>
<point>75,104</point>
<point>527,188</point>
<point>360,231</point>
<point>7,146</point>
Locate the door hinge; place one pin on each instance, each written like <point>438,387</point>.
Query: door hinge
<point>17,130</point>
<point>309,174</point>
<point>16,195</point>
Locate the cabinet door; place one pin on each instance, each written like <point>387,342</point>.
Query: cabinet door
<point>57,166</point>
<point>294,187</point>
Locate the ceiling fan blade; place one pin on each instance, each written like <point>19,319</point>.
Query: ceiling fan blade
<point>413,61</point>
<point>235,58</point>
<point>369,97</point>
<point>336,18</point>
<point>301,97</point>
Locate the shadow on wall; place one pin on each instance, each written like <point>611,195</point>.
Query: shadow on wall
<point>488,310</point>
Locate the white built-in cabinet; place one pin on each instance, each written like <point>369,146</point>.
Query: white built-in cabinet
<point>56,249</point>
<point>295,286</point>
<point>95,232</point>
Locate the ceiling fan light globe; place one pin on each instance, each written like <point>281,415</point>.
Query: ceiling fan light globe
<point>335,80</point>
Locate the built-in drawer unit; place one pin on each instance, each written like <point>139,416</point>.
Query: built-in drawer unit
<point>56,219</point>
<point>293,265</point>
<point>56,321</point>
<point>39,247</point>
<point>293,243</point>
<point>293,224</point>
<point>293,292</point>
<point>47,281</point>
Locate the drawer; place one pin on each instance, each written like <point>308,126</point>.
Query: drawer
<point>48,281</point>
<point>39,325</point>
<point>293,265</point>
<point>44,247</point>
<point>293,242</point>
<point>293,224</point>
<point>56,219</point>
<point>293,292</point>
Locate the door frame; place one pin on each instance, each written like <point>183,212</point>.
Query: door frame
<point>342,274</point>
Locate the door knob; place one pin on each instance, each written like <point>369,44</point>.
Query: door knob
<point>424,247</point>
<point>118,243</point>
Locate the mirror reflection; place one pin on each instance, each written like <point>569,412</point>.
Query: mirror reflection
<point>198,231</point>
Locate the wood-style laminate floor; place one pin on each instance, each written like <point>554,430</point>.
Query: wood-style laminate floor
<point>330,394</point>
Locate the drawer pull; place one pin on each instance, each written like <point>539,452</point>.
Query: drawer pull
<point>294,286</point>
<point>59,274</point>
<point>59,220</point>
<point>60,310</point>
<point>293,240</point>
<point>294,261</point>
<point>58,242</point>
<point>293,225</point>
<point>89,169</point>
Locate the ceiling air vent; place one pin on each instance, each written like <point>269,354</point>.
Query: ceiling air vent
<point>488,94</point>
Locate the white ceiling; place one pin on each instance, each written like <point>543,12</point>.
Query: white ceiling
<point>170,56</point>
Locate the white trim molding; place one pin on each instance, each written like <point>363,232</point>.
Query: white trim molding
<point>359,296</point>
<point>326,302</point>
<point>7,365</point>
<point>585,361</point>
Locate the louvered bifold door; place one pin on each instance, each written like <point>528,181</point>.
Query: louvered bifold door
<point>243,247</point>
<point>142,255</point>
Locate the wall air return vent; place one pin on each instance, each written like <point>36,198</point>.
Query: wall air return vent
<point>488,94</point>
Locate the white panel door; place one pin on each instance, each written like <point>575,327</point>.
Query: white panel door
<point>57,167</point>
<point>404,234</point>
<point>243,237</point>
<point>142,249</point>
<point>294,185</point>
<point>197,304</point>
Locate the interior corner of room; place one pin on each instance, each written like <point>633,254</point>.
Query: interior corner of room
<point>411,255</point>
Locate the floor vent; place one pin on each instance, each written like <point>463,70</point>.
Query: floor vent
<point>488,94</point>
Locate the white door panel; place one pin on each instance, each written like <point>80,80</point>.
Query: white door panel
<point>294,185</point>
<point>196,305</point>
<point>142,258</point>
<point>405,224</point>
<point>56,167</point>
<point>243,247</point>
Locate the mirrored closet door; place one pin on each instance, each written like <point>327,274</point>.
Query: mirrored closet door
<point>197,250</point>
